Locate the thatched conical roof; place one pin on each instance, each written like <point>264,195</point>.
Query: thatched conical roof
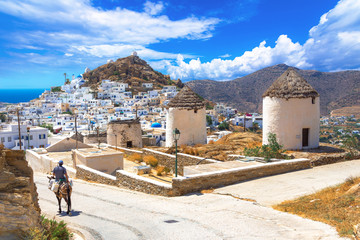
<point>291,85</point>
<point>186,99</point>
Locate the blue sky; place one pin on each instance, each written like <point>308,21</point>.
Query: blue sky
<point>219,40</point>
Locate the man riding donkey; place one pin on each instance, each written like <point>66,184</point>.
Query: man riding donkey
<point>64,190</point>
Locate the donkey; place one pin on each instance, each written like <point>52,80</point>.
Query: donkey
<point>64,192</point>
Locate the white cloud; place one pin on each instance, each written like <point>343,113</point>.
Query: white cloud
<point>85,23</point>
<point>225,55</point>
<point>116,50</point>
<point>69,54</point>
<point>153,8</point>
<point>334,44</point>
<point>78,27</point>
<point>284,51</point>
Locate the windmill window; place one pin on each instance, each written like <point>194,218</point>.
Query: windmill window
<point>195,111</point>
<point>313,100</point>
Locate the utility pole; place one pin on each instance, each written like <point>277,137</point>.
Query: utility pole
<point>18,117</point>
<point>76,134</point>
<point>244,122</point>
<point>97,129</point>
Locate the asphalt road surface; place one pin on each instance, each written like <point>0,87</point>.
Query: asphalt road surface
<point>106,212</point>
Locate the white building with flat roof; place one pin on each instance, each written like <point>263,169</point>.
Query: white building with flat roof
<point>31,137</point>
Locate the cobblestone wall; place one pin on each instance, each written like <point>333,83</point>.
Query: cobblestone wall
<point>334,158</point>
<point>184,185</point>
<point>89,174</point>
<point>142,184</point>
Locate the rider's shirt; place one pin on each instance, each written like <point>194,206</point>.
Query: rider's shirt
<point>59,172</point>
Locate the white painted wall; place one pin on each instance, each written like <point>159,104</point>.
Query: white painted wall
<point>287,118</point>
<point>192,126</point>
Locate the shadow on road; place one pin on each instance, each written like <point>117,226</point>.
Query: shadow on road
<point>73,214</point>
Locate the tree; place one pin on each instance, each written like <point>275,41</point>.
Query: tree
<point>224,126</point>
<point>2,117</point>
<point>209,120</point>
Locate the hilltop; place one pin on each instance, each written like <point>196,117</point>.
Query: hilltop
<point>132,70</point>
<point>336,89</point>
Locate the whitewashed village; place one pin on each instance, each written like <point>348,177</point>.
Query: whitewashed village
<point>166,140</point>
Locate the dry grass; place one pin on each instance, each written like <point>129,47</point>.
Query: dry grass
<point>135,157</point>
<point>160,170</point>
<point>233,143</point>
<point>337,206</point>
<point>151,160</point>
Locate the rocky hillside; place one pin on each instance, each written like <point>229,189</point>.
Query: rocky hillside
<point>132,70</point>
<point>336,89</point>
<point>19,208</point>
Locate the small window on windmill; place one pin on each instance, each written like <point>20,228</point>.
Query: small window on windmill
<point>313,100</point>
<point>195,110</point>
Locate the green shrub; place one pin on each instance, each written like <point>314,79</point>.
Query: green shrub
<point>56,89</point>
<point>267,151</point>
<point>50,230</point>
<point>224,126</point>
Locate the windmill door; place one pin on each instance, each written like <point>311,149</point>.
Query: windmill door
<point>305,137</point>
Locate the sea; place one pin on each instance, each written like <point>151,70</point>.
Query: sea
<point>19,95</point>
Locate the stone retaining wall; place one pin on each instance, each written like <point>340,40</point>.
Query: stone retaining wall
<point>142,184</point>
<point>333,158</point>
<point>184,185</point>
<point>89,174</point>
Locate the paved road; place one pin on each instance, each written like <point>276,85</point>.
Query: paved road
<point>275,189</point>
<point>111,213</point>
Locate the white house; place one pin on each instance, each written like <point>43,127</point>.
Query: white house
<point>32,137</point>
<point>147,85</point>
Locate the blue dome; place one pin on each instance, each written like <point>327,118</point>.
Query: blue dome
<point>156,125</point>
<point>79,76</point>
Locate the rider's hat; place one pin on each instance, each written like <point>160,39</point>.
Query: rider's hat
<point>61,162</point>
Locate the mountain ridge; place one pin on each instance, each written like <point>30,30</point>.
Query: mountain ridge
<point>336,89</point>
<point>132,70</point>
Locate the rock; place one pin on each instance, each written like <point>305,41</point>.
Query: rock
<point>19,208</point>
<point>357,231</point>
<point>353,189</point>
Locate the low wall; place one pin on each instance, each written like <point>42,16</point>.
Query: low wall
<point>44,164</point>
<point>89,174</point>
<point>168,160</point>
<point>333,158</point>
<point>127,151</point>
<point>184,185</point>
<point>142,184</point>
